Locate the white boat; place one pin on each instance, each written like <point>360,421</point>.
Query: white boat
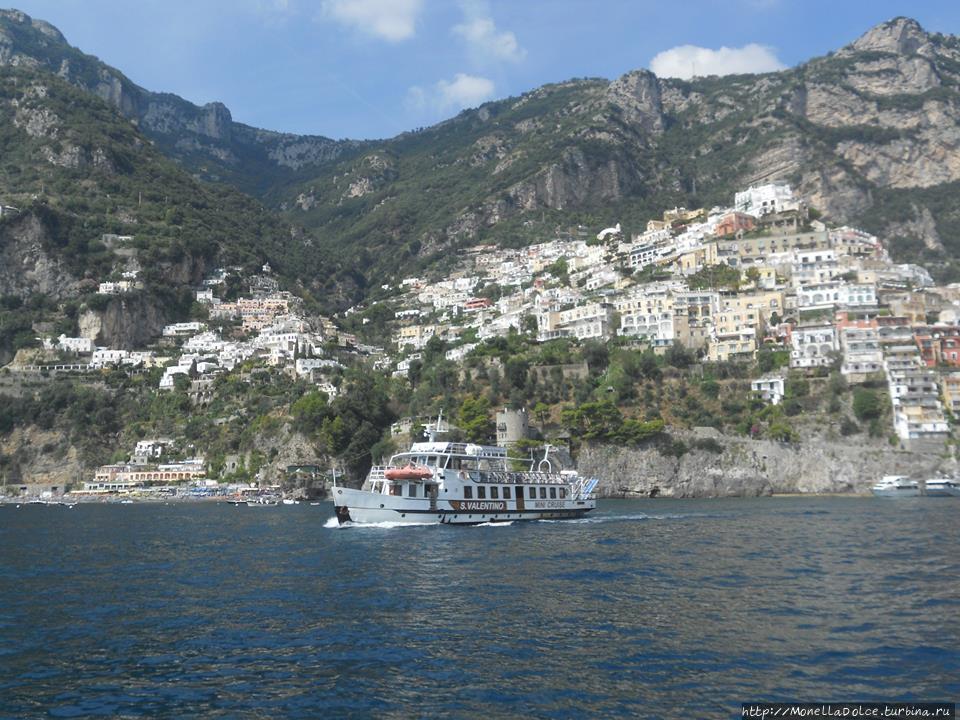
<point>942,487</point>
<point>896,486</point>
<point>463,484</point>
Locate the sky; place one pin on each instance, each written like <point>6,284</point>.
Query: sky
<point>366,69</point>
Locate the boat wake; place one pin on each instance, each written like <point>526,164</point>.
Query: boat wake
<point>333,524</point>
<point>620,518</point>
<point>505,523</point>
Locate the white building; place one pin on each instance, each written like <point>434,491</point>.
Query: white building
<point>861,351</point>
<point>771,389</point>
<point>185,328</point>
<point>204,342</point>
<point>304,366</point>
<point>763,199</point>
<point>836,294</point>
<point>117,288</point>
<point>459,353</point>
<point>77,345</point>
<point>593,320</point>
<point>814,267</point>
<point>170,373</point>
<point>813,345</point>
<point>103,357</point>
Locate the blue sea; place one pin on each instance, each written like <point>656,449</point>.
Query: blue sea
<point>648,608</point>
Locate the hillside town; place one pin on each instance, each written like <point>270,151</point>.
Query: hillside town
<point>724,283</point>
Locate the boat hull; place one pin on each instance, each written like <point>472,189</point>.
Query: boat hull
<point>361,507</point>
<point>897,492</point>
<point>943,490</point>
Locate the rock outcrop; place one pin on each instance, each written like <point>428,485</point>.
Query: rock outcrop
<point>748,468</point>
<point>26,267</point>
<point>128,321</point>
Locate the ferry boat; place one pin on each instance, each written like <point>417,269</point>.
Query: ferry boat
<point>463,484</point>
<point>942,487</point>
<point>896,486</point>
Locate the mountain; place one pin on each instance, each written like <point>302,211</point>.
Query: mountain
<point>869,134</point>
<point>205,139</point>
<point>86,196</point>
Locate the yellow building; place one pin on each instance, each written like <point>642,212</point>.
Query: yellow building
<point>750,251</point>
<point>950,386</point>
<point>682,215</point>
<point>724,348</point>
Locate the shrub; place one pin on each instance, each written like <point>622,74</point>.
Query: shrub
<point>867,404</point>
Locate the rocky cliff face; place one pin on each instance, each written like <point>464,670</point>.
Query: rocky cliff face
<point>44,457</point>
<point>128,321</point>
<point>748,468</point>
<point>205,138</point>
<point>26,267</point>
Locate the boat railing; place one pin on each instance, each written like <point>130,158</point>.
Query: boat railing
<point>375,474</point>
<point>505,477</point>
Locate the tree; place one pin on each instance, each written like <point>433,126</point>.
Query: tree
<point>474,419</point>
<point>596,355</point>
<point>541,410</point>
<point>679,357</point>
<point>781,432</point>
<point>516,372</point>
<point>710,388</point>
<point>434,350</point>
<point>867,404</point>
<point>310,411</point>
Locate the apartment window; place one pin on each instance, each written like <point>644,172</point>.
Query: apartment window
<point>543,493</point>
<point>494,493</point>
<point>481,492</point>
<point>553,493</point>
<point>468,493</point>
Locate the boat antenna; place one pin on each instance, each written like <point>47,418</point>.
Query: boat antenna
<point>432,432</point>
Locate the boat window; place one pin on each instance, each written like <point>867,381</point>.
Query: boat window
<point>563,492</point>
<point>543,493</point>
<point>533,493</point>
<point>412,490</point>
<point>481,492</point>
<point>468,493</point>
<point>506,493</point>
<point>395,489</point>
<point>553,493</point>
<point>432,460</point>
<point>494,493</point>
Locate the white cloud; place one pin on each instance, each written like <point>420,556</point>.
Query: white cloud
<point>686,61</point>
<point>392,20</point>
<point>487,43</point>
<point>463,91</point>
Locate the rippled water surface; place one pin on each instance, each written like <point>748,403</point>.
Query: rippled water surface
<point>649,608</point>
